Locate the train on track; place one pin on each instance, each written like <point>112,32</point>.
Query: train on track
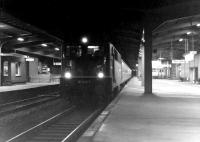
<point>91,73</point>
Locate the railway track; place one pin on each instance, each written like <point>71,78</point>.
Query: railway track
<point>17,106</point>
<point>66,126</point>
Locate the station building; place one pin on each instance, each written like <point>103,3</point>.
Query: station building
<point>176,52</point>
<point>27,54</point>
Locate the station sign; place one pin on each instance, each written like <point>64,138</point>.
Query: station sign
<point>157,64</point>
<point>57,63</point>
<point>178,61</point>
<point>6,54</point>
<point>29,59</point>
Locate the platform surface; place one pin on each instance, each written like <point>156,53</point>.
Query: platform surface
<point>24,86</point>
<point>171,115</point>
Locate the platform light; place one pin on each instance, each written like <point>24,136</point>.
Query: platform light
<point>20,39</point>
<point>180,39</point>
<point>84,40</point>
<point>161,58</point>
<point>2,26</point>
<point>198,25</point>
<point>188,33</point>
<point>57,49</point>
<point>44,45</point>
<point>93,47</point>
<point>68,75</point>
<point>100,75</point>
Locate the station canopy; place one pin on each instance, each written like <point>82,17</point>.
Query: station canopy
<point>173,38</point>
<point>19,37</point>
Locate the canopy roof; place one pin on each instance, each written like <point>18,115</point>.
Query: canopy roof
<point>176,36</point>
<point>17,36</point>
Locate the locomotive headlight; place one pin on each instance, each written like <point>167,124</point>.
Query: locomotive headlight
<point>68,75</point>
<point>100,75</point>
<point>84,40</point>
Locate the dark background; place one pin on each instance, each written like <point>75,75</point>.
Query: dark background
<point>118,22</point>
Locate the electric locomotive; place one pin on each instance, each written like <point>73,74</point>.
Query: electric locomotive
<point>92,72</point>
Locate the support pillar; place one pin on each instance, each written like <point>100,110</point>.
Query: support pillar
<point>148,59</point>
<point>142,65</point>
<point>0,65</point>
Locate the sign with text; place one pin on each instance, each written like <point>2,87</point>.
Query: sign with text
<point>178,61</point>
<point>30,59</point>
<point>57,63</point>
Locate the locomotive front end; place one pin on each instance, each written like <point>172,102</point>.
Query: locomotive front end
<point>84,74</point>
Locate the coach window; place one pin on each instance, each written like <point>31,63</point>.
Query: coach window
<point>67,51</point>
<point>17,69</point>
<point>5,68</point>
<point>117,56</point>
<point>75,51</point>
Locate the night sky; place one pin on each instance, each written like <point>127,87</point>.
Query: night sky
<point>69,20</point>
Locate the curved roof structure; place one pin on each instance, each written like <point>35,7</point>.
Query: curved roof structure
<point>176,37</point>
<point>19,37</point>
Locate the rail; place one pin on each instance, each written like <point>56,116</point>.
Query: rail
<point>66,126</point>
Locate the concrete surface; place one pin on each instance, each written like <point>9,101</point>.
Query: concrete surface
<point>137,118</point>
<point>24,86</point>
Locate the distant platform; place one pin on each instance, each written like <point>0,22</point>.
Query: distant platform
<point>25,91</point>
<point>172,114</point>
<point>24,86</point>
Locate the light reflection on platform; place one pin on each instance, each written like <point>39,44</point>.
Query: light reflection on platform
<point>175,88</point>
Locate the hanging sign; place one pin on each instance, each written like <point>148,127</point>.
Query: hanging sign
<point>178,61</point>
<point>190,56</point>
<point>57,63</point>
<point>29,59</point>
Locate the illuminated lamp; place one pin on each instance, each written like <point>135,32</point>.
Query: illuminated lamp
<point>84,40</point>
<point>2,26</point>
<point>100,75</point>
<point>57,49</point>
<point>20,39</point>
<point>93,47</point>
<point>180,39</point>
<point>44,45</point>
<point>68,75</point>
<point>198,25</point>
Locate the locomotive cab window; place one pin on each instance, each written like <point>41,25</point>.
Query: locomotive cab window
<point>82,51</point>
<point>75,51</point>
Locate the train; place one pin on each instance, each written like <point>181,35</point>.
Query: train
<point>92,73</point>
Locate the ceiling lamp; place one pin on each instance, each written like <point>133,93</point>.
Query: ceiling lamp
<point>84,40</point>
<point>180,39</point>
<point>44,45</point>
<point>57,49</point>
<point>2,25</point>
<point>188,33</point>
<point>20,39</point>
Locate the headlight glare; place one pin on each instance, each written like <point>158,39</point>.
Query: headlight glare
<point>68,75</point>
<point>100,75</point>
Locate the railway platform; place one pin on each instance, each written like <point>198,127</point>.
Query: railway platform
<point>23,86</point>
<point>169,115</point>
<point>26,90</point>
